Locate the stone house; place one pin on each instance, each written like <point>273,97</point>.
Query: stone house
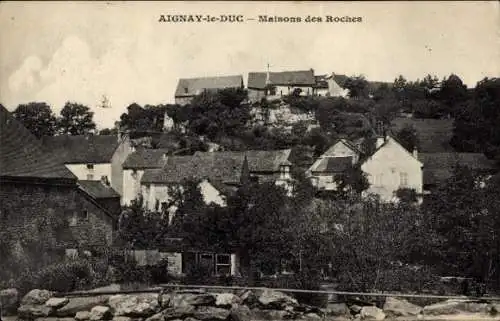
<point>218,175</point>
<point>388,166</point>
<point>188,88</point>
<point>274,85</point>
<point>92,157</point>
<point>36,185</point>
<point>328,85</point>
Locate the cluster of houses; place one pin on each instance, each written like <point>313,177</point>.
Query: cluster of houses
<point>88,179</point>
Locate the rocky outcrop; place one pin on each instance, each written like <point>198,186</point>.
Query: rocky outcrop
<point>40,305</point>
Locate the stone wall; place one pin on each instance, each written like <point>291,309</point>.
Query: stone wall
<point>242,305</point>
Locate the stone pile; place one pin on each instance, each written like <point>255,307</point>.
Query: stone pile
<point>247,305</point>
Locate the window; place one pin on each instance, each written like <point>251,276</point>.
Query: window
<point>223,264</point>
<point>90,166</point>
<point>84,215</point>
<point>403,179</point>
<point>186,90</point>
<point>73,219</point>
<point>90,177</point>
<point>134,173</point>
<point>157,205</point>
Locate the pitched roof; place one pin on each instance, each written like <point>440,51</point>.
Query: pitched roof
<point>225,168</point>
<point>260,160</point>
<point>340,79</point>
<point>82,148</point>
<point>145,158</point>
<point>439,166</point>
<point>257,80</point>
<point>434,134</point>
<point>333,164</point>
<point>195,86</point>
<point>97,189</point>
<point>21,154</point>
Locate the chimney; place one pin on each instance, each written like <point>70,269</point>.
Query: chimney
<point>415,152</point>
<point>105,181</point>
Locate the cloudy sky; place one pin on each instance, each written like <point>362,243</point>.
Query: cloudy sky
<point>55,52</point>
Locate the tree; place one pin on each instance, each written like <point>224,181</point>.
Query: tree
<point>76,119</point>
<point>357,86</point>
<point>408,137</point>
<point>453,92</point>
<point>37,117</point>
<point>353,180</point>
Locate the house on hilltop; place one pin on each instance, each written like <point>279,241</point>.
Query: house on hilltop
<point>188,88</point>
<point>92,157</point>
<point>388,166</point>
<point>330,85</point>
<point>273,85</point>
<point>35,185</point>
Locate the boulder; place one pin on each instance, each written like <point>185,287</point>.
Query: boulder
<point>355,308</point>
<point>164,299</point>
<point>31,311</point>
<point>400,308</point>
<point>211,313</point>
<point>311,316</point>
<point>450,307</point>
<point>226,299</point>
<point>372,313</point>
<point>337,309</point>
<point>9,300</point>
<point>177,313</point>
<point>81,304</point>
<point>56,303</point>
<point>270,314</point>
<point>36,296</point>
<point>194,299</point>
<point>82,315</point>
<point>122,319</point>
<point>240,313</point>
<point>276,299</point>
<point>495,308</point>
<point>154,317</point>
<point>100,313</point>
<point>142,305</point>
<point>248,297</point>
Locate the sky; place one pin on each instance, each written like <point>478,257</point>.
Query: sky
<point>79,51</point>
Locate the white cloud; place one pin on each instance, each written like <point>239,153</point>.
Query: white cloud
<point>25,77</point>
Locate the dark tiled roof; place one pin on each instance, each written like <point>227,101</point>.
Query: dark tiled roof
<point>97,189</point>
<point>260,160</point>
<point>195,86</point>
<point>434,134</point>
<point>21,154</point>
<point>439,166</point>
<point>81,148</point>
<point>340,79</point>
<point>225,168</point>
<point>257,80</point>
<point>145,158</point>
<point>333,164</point>
<point>321,81</point>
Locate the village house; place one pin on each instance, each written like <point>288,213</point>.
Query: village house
<point>92,157</point>
<point>388,166</point>
<point>438,167</point>
<point>265,165</point>
<point>133,169</point>
<point>35,185</point>
<point>218,176</point>
<point>327,85</point>
<point>188,88</point>
<point>274,85</point>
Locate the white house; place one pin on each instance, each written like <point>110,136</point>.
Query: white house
<point>388,166</point>
<point>92,157</point>
<point>273,85</point>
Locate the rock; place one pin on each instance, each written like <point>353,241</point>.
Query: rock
<point>240,313</point>
<point>355,308</point>
<point>56,303</point>
<point>456,307</point>
<point>191,299</point>
<point>337,309</point>
<point>372,313</point>
<point>122,319</point>
<point>154,317</point>
<point>9,300</point>
<point>100,313</point>
<point>270,314</point>
<point>276,299</point>
<point>311,316</point>
<point>82,315</point>
<point>226,299</point>
<point>142,305</point>
<point>54,319</point>
<point>164,299</point>
<point>248,297</point>
<point>178,312</point>
<point>36,296</point>
<point>400,308</point>
<point>31,312</point>
<point>81,304</point>
<point>495,308</point>
<point>211,313</point>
